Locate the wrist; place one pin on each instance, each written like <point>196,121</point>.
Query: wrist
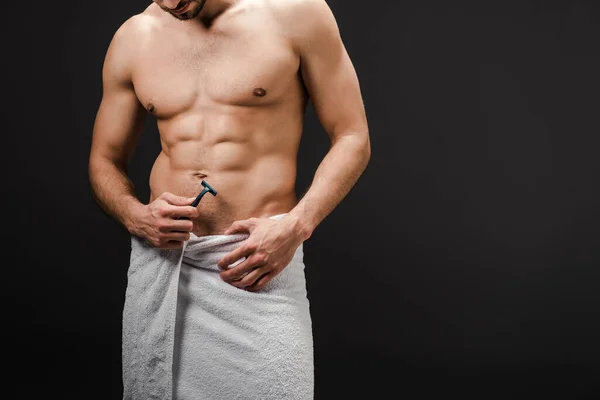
<point>299,226</point>
<point>132,217</point>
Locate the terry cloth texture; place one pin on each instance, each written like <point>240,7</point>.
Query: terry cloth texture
<point>188,335</point>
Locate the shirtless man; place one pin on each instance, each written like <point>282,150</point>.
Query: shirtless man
<point>228,82</point>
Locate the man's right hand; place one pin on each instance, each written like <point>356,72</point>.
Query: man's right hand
<point>160,224</point>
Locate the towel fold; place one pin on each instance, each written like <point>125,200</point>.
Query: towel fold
<point>188,335</point>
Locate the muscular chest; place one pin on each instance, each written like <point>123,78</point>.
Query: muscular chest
<point>244,65</point>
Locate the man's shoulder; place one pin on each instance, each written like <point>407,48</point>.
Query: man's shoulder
<point>297,10</point>
<point>303,21</point>
<point>129,40</point>
<point>300,17</point>
<point>138,27</point>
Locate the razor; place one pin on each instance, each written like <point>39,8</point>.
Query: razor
<point>207,189</point>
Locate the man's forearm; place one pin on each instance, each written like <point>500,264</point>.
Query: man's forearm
<point>114,191</point>
<point>338,172</point>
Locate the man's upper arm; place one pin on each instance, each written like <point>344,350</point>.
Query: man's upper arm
<point>327,70</point>
<point>119,118</point>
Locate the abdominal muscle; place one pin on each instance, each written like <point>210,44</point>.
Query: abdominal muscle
<point>249,159</point>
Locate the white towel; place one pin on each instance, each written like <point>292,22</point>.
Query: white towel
<point>188,335</point>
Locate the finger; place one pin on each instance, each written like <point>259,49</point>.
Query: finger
<point>260,283</point>
<point>240,270</point>
<point>239,226</point>
<point>177,236</point>
<point>250,278</point>
<point>177,200</point>
<point>180,212</point>
<point>176,226</point>
<point>228,259</point>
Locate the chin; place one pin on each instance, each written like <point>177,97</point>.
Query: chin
<point>194,9</point>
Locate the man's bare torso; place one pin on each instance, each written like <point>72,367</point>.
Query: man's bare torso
<point>229,103</point>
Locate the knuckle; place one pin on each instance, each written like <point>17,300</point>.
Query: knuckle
<point>226,276</point>
<point>244,282</point>
<point>261,258</point>
<point>164,239</point>
<point>263,282</point>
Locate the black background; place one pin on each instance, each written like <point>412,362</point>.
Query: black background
<point>463,263</point>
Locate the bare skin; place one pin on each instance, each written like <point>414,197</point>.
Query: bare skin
<point>228,82</point>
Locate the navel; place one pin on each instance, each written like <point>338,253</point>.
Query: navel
<point>199,175</point>
<point>260,92</point>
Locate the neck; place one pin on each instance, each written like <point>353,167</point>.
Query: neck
<point>212,9</point>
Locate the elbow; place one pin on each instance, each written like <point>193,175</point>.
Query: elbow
<point>92,166</point>
<point>358,142</point>
<point>95,166</point>
<point>365,147</point>
<point>98,161</point>
<point>361,146</point>
<point>99,167</point>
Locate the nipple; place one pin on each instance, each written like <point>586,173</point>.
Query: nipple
<point>260,92</point>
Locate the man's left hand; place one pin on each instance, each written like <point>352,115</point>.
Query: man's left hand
<point>268,250</point>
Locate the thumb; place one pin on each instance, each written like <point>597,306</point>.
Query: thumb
<point>238,226</point>
<point>177,200</point>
